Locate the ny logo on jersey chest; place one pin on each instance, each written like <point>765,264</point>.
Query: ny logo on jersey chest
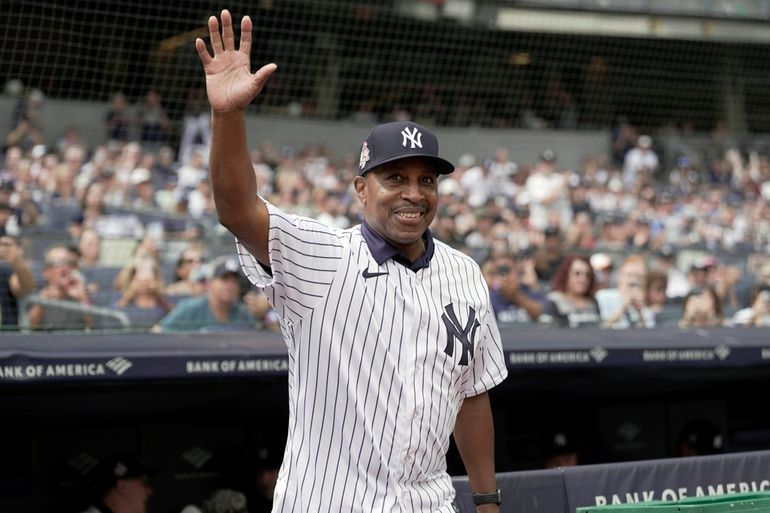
<point>465,335</point>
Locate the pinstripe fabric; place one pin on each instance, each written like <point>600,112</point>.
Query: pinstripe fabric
<point>373,396</point>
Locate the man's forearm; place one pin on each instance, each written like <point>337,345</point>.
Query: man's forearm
<point>474,436</point>
<point>235,186</point>
<point>232,175</point>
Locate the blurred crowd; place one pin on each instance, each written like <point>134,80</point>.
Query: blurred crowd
<point>123,233</point>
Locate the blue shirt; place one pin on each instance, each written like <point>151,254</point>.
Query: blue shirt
<point>194,314</point>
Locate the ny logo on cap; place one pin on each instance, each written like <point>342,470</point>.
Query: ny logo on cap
<point>415,137</point>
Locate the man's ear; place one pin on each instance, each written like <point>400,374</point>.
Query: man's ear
<point>359,183</point>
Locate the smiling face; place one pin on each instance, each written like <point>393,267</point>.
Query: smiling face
<point>400,201</point>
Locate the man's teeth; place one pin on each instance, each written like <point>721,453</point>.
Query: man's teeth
<point>409,215</point>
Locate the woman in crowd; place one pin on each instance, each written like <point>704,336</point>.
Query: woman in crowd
<point>188,281</point>
<point>142,293</point>
<point>657,300</point>
<point>626,306</point>
<point>95,215</point>
<point>571,301</point>
<point>89,248</point>
<point>702,308</point>
<point>758,311</point>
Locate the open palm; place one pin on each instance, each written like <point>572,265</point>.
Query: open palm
<point>230,85</point>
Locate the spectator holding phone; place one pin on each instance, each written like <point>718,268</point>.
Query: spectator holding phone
<point>758,313</point>
<point>142,296</point>
<point>702,308</point>
<point>512,300</point>
<point>626,306</point>
<point>63,283</point>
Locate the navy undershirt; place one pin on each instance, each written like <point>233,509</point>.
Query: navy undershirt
<point>382,250</point>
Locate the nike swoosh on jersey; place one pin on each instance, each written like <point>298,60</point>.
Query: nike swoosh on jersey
<point>366,274</point>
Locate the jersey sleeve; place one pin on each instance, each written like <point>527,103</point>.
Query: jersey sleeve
<point>304,257</point>
<point>488,368</point>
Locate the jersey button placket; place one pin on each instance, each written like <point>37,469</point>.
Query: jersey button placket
<point>409,373</point>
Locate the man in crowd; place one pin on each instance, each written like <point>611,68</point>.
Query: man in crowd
<point>121,485</point>
<point>220,307</point>
<point>65,284</point>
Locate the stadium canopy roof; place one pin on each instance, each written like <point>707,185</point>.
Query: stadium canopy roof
<point>726,21</point>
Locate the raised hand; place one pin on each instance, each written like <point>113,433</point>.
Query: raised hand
<point>230,85</point>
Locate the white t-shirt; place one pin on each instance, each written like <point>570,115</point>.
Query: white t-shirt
<point>541,186</point>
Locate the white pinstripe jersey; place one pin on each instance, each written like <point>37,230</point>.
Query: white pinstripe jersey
<point>375,380</point>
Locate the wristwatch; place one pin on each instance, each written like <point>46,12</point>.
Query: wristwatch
<point>488,498</point>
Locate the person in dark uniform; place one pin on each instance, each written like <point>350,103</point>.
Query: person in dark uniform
<point>699,437</point>
<point>558,448</point>
<point>121,484</point>
<point>261,476</point>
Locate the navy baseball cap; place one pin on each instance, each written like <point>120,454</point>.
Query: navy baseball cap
<point>227,267</point>
<point>556,442</point>
<point>399,140</point>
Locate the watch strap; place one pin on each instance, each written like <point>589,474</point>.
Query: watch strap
<point>488,498</point>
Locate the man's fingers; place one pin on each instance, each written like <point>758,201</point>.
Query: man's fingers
<point>203,53</point>
<point>245,46</point>
<point>216,39</point>
<point>227,30</point>
<point>264,73</point>
<point>261,76</point>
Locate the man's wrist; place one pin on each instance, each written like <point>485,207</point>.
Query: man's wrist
<point>227,115</point>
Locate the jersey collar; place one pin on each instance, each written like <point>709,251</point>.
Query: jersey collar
<point>381,250</point>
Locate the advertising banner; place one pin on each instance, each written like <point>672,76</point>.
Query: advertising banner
<point>668,480</point>
<point>565,490</point>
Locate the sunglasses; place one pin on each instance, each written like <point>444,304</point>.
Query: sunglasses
<point>62,262</point>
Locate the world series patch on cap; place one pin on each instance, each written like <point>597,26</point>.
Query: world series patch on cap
<point>399,140</point>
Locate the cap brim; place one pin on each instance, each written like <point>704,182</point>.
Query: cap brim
<point>443,166</point>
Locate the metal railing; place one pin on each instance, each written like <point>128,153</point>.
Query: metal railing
<point>100,314</point>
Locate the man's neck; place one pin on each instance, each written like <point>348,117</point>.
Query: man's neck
<point>382,250</point>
